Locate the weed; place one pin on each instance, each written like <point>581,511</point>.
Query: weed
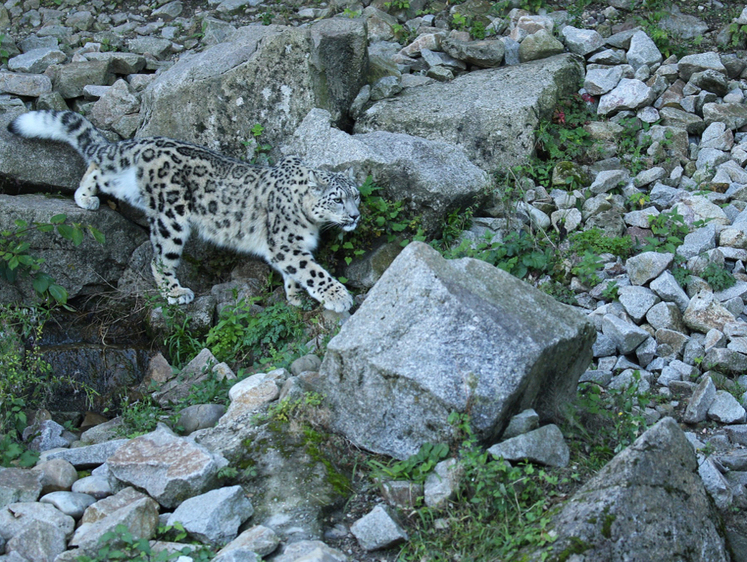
<point>3,52</point>
<point>633,142</point>
<point>586,269</point>
<point>244,333</point>
<point>415,468</point>
<point>499,510</point>
<point>267,17</point>
<point>260,151</point>
<point>397,5</point>
<point>594,240</point>
<point>380,218</point>
<point>717,277</point>
<point>611,291</point>
<point>669,231</point>
<point>563,137</point>
<point>28,380</point>
<point>518,253</point>
<point>140,417</point>
<point>12,450</point>
<point>121,544</point>
<point>605,421</point>
<point>738,34</point>
<point>559,292</point>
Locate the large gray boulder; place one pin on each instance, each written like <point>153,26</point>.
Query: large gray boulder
<point>32,162</point>
<point>271,75</point>
<point>648,503</point>
<point>82,269</point>
<point>434,176</point>
<point>437,336</point>
<point>491,114</point>
<point>286,469</point>
<point>170,468</point>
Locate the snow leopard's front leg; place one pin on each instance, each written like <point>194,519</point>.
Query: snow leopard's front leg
<point>85,195</point>
<point>305,272</point>
<point>168,239</point>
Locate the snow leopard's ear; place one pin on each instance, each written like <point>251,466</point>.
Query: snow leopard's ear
<point>350,173</point>
<point>315,183</point>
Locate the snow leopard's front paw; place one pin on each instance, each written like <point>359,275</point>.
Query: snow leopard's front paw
<point>338,299</point>
<point>180,295</point>
<point>88,202</point>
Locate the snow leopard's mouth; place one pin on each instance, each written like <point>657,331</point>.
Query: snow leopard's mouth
<point>349,225</point>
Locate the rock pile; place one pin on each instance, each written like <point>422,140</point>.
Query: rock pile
<point>686,345</point>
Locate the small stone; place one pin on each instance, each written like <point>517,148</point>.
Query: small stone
<point>544,445</point>
<point>442,484</point>
<point>378,529</point>
<point>726,409</point>
<point>647,265</point>
<point>700,401</point>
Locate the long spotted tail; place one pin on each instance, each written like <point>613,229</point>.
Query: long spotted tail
<point>65,126</point>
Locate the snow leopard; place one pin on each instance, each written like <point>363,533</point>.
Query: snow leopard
<point>274,212</point>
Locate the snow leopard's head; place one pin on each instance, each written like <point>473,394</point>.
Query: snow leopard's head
<point>337,199</point>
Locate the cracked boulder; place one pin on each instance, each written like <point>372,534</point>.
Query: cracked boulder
<point>648,503</point>
<point>436,336</point>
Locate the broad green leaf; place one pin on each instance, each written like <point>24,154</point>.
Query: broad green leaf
<point>97,235</point>
<point>58,219</point>
<point>65,230</point>
<point>77,236</point>
<point>58,293</point>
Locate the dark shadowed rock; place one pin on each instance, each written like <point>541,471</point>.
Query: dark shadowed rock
<point>648,503</point>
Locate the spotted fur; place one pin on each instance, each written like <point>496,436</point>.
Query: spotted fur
<point>273,212</point>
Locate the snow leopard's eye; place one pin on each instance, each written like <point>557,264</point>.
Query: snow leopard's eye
<point>337,199</point>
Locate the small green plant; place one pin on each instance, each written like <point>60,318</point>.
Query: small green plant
<point>267,17</point>
<point>415,468</point>
<point>669,231</point>
<point>587,268</point>
<point>611,291</point>
<point>518,253</point>
<point>245,333</point>
<point>3,52</point>
<point>380,218</point>
<point>595,241</point>
<point>13,452</point>
<point>285,410</point>
<point>738,34</point>
<point>717,277</point>
<point>397,5</point>
<point>121,544</point>
<point>260,150</point>
<point>28,380</point>
<point>352,14</point>
<point>633,142</point>
<point>459,22</point>
<point>139,417</point>
<point>499,510</point>
<point>605,421</point>
<point>564,137</point>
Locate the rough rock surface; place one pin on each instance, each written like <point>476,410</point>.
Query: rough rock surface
<point>649,498</point>
<point>396,395</point>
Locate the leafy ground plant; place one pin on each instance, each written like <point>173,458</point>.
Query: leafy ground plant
<point>499,510</point>
<point>121,544</point>
<point>415,468</point>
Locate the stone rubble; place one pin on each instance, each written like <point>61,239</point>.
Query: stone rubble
<point>679,340</point>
